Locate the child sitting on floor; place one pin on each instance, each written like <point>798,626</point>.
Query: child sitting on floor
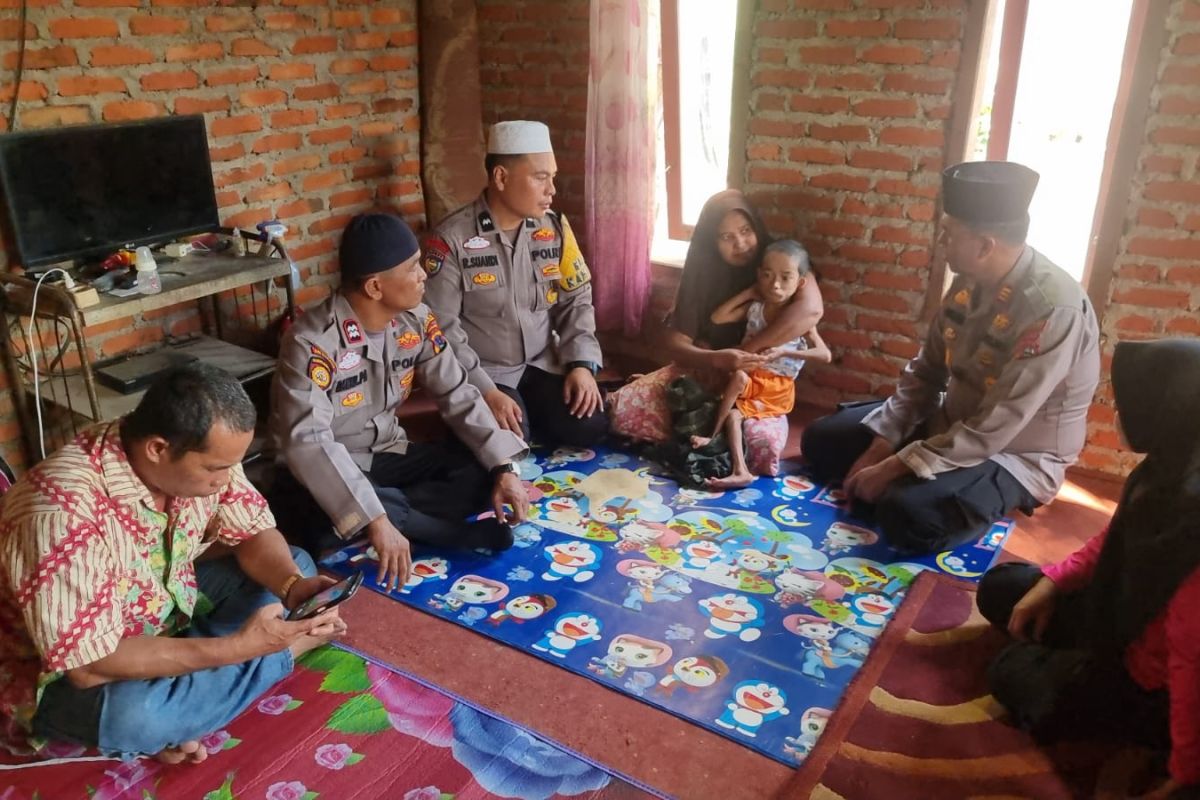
<point>769,390</point>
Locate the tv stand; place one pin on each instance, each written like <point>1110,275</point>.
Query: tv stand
<point>65,364</point>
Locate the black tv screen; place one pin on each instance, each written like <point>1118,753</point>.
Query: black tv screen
<point>85,191</point>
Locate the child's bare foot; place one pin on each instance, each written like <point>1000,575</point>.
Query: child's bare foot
<point>191,751</point>
<point>700,441</point>
<point>735,481</point>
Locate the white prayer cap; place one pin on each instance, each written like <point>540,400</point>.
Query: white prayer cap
<point>519,137</point>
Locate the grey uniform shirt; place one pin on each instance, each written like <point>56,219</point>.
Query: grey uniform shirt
<point>334,401</point>
<point>506,304</point>
<point>1005,374</point>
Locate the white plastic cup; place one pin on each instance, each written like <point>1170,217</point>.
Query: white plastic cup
<point>148,280</point>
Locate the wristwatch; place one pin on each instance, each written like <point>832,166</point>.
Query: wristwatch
<point>590,366</point>
<point>500,469</point>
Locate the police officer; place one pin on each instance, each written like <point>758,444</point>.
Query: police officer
<point>347,465</point>
<point>993,409</point>
<point>509,283</point>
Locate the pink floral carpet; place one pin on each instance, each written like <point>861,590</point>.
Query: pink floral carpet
<point>341,728</point>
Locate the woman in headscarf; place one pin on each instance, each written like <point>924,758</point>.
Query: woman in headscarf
<point>1109,639</point>
<point>725,253</point>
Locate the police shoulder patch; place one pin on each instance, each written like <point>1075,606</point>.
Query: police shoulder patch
<point>433,333</point>
<point>436,250</point>
<point>572,268</point>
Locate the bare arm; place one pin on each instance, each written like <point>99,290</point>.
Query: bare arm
<point>819,351</point>
<point>734,309</point>
<point>684,350</point>
<point>266,559</point>
<point>798,317</point>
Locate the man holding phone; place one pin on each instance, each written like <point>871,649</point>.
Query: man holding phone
<point>143,584</point>
<point>347,466</point>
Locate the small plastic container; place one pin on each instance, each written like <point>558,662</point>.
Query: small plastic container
<point>148,280</point>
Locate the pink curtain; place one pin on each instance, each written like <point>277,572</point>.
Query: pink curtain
<point>620,162</point>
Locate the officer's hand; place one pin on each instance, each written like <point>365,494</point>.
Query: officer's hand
<point>879,449</point>
<point>506,410</point>
<point>581,394</point>
<point>395,555</point>
<point>509,490</point>
<point>868,485</point>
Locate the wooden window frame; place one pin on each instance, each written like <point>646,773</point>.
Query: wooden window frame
<point>672,139</point>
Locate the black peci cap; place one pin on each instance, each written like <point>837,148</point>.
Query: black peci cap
<point>375,243</point>
<point>983,192</point>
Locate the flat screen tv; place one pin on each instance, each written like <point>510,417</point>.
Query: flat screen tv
<point>84,191</point>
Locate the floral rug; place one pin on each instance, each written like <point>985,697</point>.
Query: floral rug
<point>341,728</point>
<point>747,612</point>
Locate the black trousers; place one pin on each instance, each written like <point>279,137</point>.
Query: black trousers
<point>1059,689</point>
<point>427,493</point>
<point>546,419</point>
<point>916,515</point>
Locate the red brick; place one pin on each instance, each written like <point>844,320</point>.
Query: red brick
<point>917,259</point>
<point>848,339</point>
<point>164,81</point>
<point>291,21</point>
<point>409,37</point>
<point>29,90</point>
<point>195,52</point>
<point>290,119</point>
<point>818,104</point>
<point>240,175</point>
<point>322,180</point>
<point>277,191</point>
<point>299,208</point>
<point>880,160</point>
<point>857,28</point>
<point>816,155</point>
<point>769,102</point>
<point>871,322</point>
<point>251,48</point>
<point>157,26</point>
<point>350,198</point>
<point>1179,105</point>
<point>841,228</point>
<point>347,155</point>
<point>1173,134</point>
<point>228,198</point>
<point>847,81</point>
<point>881,301</point>
<point>763,152</point>
<point>786,29</point>
<point>916,137</point>
<point>900,348</point>
<point>897,107</point>
<point>1135,323</point>
<point>1187,45</point>
<point>1139,272</point>
<point>84,28</point>
<point>131,109</point>
<point>828,55</point>
<point>875,365</point>
<point>372,86</point>
<point>344,110</point>
<point>229,153</point>
<point>1152,298</point>
<point>291,72</point>
<point>392,105</point>
<point>200,105</point>
<point>54,116</point>
<point>1184,326</point>
<point>1189,274</point>
<point>772,175</point>
<point>226,23</point>
<point>907,188</point>
<point>920,212</point>
<point>329,135</point>
<point>893,54</point>
<point>840,133</point>
<point>119,55</point>
<point>1182,249</point>
<point>1156,218</point>
<point>320,91</point>
<point>374,169</point>
<point>1192,223</point>
<point>899,234</point>
<point>1181,74</point>
<point>854,206</point>
<point>76,85</point>
<point>255,98</point>
<point>348,19</point>
<point>43,57</point>
<point>276,142</point>
<point>372,40</point>
<point>862,252</point>
<point>947,59</point>
<point>232,126</point>
<point>390,63</point>
<point>330,224</point>
<point>841,380</point>
<point>770,55</point>
<point>225,77</point>
<point>912,84</point>
<point>108,3</point>
<point>286,166</point>
<point>774,127</point>
<point>822,5</point>
<point>348,66</point>
<point>945,28</point>
<point>840,180</point>
<point>314,44</point>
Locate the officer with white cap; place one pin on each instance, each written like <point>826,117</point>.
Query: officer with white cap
<point>508,282</point>
<point>993,409</point>
<point>346,466</point>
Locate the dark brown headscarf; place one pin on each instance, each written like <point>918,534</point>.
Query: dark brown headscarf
<point>708,281</point>
<point>1153,542</point>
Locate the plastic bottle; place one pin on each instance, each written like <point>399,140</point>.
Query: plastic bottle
<point>148,280</point>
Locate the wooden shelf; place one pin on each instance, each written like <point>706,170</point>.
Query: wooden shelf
<point>245,365</point>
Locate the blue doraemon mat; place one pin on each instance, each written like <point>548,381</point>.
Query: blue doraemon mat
<point>746,612</point>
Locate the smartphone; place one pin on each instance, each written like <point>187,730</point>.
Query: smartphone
<point>327,598</point>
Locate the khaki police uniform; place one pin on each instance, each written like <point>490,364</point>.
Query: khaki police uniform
<point>334,401</point>
<point>1004,379</point>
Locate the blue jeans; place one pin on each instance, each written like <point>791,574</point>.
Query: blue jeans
<point>129,718</point>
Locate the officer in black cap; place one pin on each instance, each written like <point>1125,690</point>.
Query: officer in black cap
<point>993,409</point>
<point>346,467</point>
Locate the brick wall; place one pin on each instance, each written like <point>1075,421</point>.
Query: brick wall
<point>850,101</point>
<point>533,64</point>
<point>311,108</point>
<point>1155,290</point>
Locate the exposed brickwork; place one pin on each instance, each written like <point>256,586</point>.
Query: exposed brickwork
<point>534,65</point>
<point>311,110</point>
<point>1155,290</point>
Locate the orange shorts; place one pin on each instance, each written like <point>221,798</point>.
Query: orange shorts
<point>767,395</point>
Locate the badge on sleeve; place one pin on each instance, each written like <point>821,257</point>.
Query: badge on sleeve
<point>320,368</point>
<point>436,251</point>
<point>434,334</point>
<point>352,331</point>
<point>573,268</point>
<point>1030,343</point>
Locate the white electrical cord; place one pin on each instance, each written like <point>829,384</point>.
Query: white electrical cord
<point>33,358</point>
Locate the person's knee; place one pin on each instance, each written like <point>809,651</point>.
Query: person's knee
<point>585,432</point>
<point>132,722</point>
<point>304,562</point>
<point>1000,588</point>
<point>740,379</point>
